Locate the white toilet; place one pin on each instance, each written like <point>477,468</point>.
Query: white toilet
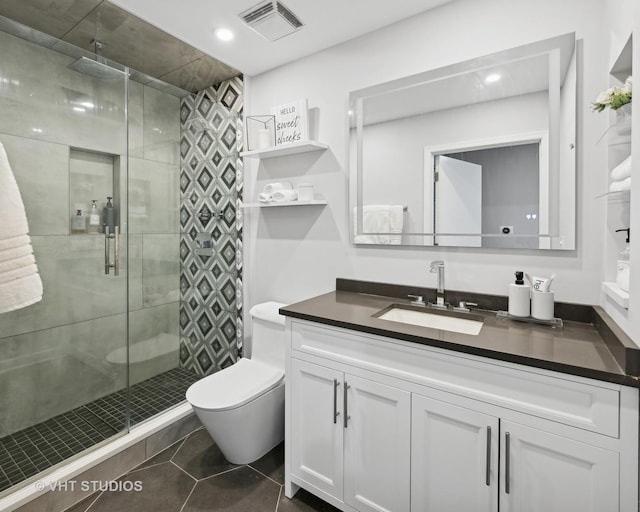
<point>242,406</point>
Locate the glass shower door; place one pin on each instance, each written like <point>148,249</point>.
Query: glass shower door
<point>63,372</point>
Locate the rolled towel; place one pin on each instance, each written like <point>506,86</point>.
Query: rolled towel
<point>270,188</point>
<point>622,170</point>
<point>285,195</point>
<point>620,185</point>
<point>263,197</point>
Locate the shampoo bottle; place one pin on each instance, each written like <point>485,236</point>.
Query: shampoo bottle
<point>93,219</point>
<point>519,296</point>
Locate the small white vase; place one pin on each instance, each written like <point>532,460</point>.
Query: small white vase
<point>623,119</point>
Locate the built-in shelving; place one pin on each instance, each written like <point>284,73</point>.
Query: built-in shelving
<point>272,204</point>
<point>617,294</point>
<point>619,147</point>
<point>294,148</point>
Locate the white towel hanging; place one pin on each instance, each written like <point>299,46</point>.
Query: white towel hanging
<point>20,283</point>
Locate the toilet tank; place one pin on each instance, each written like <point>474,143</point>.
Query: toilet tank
<point>267,343</point>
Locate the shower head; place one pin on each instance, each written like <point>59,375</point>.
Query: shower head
<point>95,69</point>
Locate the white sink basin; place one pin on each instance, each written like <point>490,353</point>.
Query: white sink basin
<point>432,319</point>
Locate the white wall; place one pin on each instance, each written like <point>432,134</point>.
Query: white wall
<point>293,254</point>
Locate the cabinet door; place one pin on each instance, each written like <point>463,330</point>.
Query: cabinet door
<point>316,426</point>
<point>543,471</point>
<point>377,446</point>
<point>454,458</point>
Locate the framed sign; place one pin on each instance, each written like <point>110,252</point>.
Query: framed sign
<point>292,123</point>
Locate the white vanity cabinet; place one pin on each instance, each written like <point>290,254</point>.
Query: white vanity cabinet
<point>351,437</point>
<point>432,430</point>
<point>455,465</point>
<point>454,457</point>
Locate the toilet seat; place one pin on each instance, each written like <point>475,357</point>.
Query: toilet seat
<point>234,386</point>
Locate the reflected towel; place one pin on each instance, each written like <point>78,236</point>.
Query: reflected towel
<point>618,186</point>
<point>270,188</point>
<point>377,220</point>
<point>285,195</point>
<point>622,170</point>
<point>20,283</point>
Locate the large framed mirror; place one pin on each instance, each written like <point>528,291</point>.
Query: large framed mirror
<point>480,153</point>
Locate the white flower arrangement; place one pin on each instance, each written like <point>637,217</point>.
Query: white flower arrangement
<point>613,97</point>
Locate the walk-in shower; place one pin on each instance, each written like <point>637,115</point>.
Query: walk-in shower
<point>100,352</point>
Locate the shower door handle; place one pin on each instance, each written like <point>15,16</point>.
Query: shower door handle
<point>116,251</point>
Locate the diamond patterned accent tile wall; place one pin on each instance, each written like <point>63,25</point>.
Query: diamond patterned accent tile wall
<point>211,181</point>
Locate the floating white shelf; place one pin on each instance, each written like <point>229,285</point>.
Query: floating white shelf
<point>619,195</point>
<point>285,203</point>
<point>617,294</point>
<point>304,146</point>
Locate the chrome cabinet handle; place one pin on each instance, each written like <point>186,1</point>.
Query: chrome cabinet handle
<point>346,417</point>
<point>507,464</point>
<point>116,251</point>
<point>488,468</point>
<point>335,401</point>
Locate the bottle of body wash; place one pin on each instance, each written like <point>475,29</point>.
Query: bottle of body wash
<point>519,296</point>
<point>93,219</point>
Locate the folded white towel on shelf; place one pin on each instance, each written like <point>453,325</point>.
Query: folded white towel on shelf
<point>378,220</point>
<point>620,185</point>
<point>20,283</point>
<point>285,195</point>
<point>263,197</point>
<point>622,170</point>
<point>270,188</point>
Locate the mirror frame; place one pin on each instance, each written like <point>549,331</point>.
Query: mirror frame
<point>550,236</point>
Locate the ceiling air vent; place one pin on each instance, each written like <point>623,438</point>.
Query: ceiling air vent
<point>271,19</point>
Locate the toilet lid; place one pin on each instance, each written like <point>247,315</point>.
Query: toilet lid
<point>234,386</point>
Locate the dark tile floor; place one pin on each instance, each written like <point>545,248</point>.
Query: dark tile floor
<point>192,475</point>
<point>25,453</point>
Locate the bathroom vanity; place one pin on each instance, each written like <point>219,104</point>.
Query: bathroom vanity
<point>383,415</point>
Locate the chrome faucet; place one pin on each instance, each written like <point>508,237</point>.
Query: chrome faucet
<point>438,266</point>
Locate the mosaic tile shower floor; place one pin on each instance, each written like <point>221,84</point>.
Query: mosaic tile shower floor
<point>25,453</point>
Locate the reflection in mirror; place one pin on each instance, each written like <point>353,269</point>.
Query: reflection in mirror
<point>476,154</point>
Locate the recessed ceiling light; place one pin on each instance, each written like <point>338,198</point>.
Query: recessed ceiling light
<point>493,77</point>
<point>224,34</point>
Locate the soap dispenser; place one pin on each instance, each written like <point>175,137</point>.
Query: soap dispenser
<point>519,296</point>
<point>78,224</point>
<point>622,265</point>
<point>93,219</point>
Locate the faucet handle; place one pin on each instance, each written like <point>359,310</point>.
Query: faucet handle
<point>418,300</point>
<point>465,306</point>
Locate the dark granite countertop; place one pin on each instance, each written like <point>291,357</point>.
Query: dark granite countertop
<point>587,349</point>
